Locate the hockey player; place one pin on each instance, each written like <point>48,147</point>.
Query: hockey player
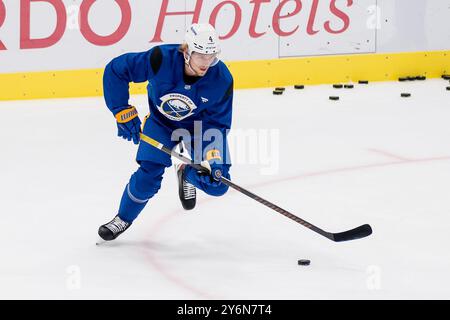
<point>188,87</point>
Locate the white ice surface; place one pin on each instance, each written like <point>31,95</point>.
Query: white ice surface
<point>371,157</point>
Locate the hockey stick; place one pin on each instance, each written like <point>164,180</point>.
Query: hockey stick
<point>357,233</point>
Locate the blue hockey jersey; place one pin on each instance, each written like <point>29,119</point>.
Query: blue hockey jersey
<point>174,104</point>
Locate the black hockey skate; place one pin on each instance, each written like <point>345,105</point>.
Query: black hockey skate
<point>186,190</point>
<point>113,229</point>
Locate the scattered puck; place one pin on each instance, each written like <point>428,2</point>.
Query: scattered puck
<point>446,77</point>
<point>402,79</point>
<point>280,89</point>
<point>337,86</point>
<point>299,86</point>
<point>448,88</point>
<point>304,262</point>
<point>406,95</point>
<point>277,92</point>
<point>334,98</point>
<point>363,82</point>
<point>349,86</point>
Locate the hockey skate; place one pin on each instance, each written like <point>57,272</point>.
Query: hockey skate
<point>186,190</point>
<point>113,229</point>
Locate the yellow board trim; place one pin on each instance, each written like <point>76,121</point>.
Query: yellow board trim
<point>247,74</point>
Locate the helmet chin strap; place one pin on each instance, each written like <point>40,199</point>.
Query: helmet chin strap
<point>187,61</point>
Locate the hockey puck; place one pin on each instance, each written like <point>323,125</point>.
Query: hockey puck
<point>411,78</point>
<point>406,95</point>
<point>402,79</point>
<point>299,86</point>
<point>334,98</point>
<point>304,262</point>
<point>277,92</point>
<point>363,82</point>
<point>421,78</point>
<point>349,86</point>
<point>337,86</point>
<point>448,88</point>
<point>280,89</point>
<point>446,77</point>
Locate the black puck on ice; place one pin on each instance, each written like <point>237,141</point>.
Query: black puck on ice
<point>446,76</point>
<point>304,262</point>
<point>337,86</point>
<point>334,98</point>
<point>363,82</point>
<point>349,86</point>
<point>280,89</point>
<point>406,95</point>
<point>448,88</point>
<point>402,79</point>
<point>411,78</point>
<point>299,86</point>
<point>277,92</point>
<point>421,78</point>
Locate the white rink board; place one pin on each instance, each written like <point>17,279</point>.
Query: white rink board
<point>320,32</point>
<point>373,26</point>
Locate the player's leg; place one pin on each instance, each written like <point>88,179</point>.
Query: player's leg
<point>143,185</point>
<point>209,186</point>
<point>191,179</point>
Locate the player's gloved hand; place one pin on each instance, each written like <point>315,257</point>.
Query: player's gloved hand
<point>129,124</point>
<point>209,177</point>
<point>212,174</point>
<point>214,169</point>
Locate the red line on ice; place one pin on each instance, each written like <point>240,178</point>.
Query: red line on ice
<point>158,226</point>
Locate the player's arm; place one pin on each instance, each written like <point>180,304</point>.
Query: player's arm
<point>219,117</point>
<point>215,152</point>
<point>130,67</point>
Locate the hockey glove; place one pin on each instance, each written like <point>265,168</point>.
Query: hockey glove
<point>129,124</point>
<point>213,169</point>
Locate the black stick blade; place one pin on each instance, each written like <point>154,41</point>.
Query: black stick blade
<point>357,233</point>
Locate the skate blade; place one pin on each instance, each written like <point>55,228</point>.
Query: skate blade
<point>100,241</point>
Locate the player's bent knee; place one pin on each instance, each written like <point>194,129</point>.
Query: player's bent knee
<point>217,191</point>
<point>141,192</point>
<point>146,181</point>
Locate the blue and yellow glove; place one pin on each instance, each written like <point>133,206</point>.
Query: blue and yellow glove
<point>215,173</point>
<point>129,124</point>
<point>209,179</point>
<point>214,169</point>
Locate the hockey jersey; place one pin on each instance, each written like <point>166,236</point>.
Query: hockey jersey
<point>174,102</point>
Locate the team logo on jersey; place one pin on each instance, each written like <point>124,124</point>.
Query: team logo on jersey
<point>176,106</point>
